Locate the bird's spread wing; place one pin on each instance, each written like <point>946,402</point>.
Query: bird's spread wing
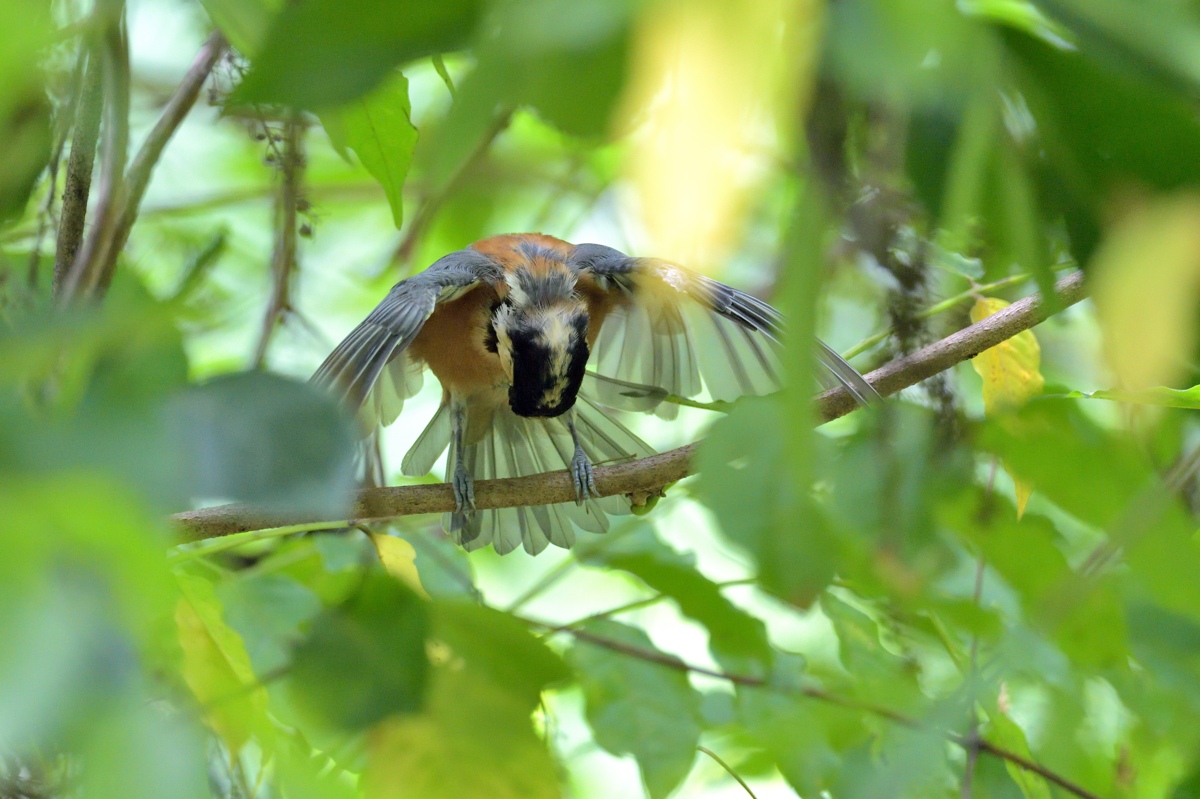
<point>673,331</point>
<point>372,356</point>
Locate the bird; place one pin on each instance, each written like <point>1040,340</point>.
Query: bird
<point>535,341</point>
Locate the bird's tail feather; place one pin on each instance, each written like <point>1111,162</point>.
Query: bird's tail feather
<point>515,446</point>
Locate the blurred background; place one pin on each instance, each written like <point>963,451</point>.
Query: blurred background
<point>1005,552</point>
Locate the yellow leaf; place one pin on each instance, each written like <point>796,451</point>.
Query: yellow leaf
<point>216,666</point>
<point>399,559</point>
<point>1011,370</point>
<point>1145,283</point>
<point>1011,373</point>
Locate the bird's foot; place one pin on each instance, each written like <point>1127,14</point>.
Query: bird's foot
<point>464,490</point>
<point>581,474</point>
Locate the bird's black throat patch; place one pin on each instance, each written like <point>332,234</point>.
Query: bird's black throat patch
<point>538,388</point>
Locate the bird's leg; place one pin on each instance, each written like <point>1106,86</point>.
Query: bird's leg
<point>581,466</point>
<point>461,481</point>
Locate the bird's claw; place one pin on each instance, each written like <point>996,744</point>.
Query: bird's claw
<point>582,476</point>
<point>464,491</point>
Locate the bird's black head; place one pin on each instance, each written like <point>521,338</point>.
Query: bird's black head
<point>547,368</point>
<point>545,352</point>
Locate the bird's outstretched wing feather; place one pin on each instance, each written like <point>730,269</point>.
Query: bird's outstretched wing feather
<point>674,331</point>
<point>373,353</point>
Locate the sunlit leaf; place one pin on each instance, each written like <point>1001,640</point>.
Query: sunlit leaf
<point>701,72</point>
<point>1011,373</point>
<point>216,666</point>
<point>634,707</point>
<point>1004,732</point>
<point>399,559</point>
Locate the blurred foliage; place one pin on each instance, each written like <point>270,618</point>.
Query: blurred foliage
<point>1007,553</point>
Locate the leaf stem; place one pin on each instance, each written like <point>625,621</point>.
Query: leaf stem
<point>728,770</point>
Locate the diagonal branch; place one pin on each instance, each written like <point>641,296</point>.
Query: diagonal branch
<point>647,476</point>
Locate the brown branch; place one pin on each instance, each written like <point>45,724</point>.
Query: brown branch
<point>80,162</point>
<point>648,475</point>
<point>283,257</point>
<point>970,743</point>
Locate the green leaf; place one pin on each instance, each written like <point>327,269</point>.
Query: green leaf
<point>324,53</point>
<point>379,129</point>
<point>640,708</point>
<point>268,440</point>
<point>364,660</point>
<point>1161,396</point>
<point>1082,107</point>
<point>25,124</point>
<point>807,740</point>
<point>737,639</point>
<point>267,610</point>
<point>243,22</point>
<point>1157,39</point>
<point>137,750</point>
<point>1004,732</point>
<point>744,477</point>
<point>521,64</point>
<point>877,672</point>
<point>500,645</point>
<point>1057,448</point>
<point>474,736</point>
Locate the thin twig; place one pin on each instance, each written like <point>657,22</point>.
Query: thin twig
<point>283,257</point>
<point>648,474</point>
<point>821,695</point>
<point>728,770</point>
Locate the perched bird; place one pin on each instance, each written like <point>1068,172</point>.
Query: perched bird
<point>531,338</point>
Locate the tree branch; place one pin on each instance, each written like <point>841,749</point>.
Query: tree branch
<point>113,52</point>
<point>647,476</point>
<point>79,169</point>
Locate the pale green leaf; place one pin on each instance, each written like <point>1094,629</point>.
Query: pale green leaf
<point>636,707</point>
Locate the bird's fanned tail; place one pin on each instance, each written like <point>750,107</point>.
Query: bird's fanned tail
<point>515,446</point>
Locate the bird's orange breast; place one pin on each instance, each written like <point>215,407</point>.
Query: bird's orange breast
<point>452,344</point>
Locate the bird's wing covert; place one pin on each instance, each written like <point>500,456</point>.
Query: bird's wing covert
<point>368,370</point>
